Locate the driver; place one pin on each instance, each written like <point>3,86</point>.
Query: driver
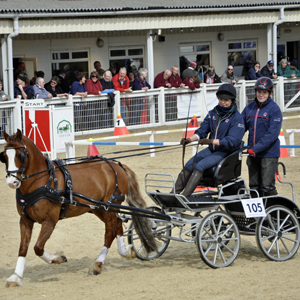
<point>225,127</point>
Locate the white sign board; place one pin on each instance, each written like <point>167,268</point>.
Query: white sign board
<point>211,100</point>
<point>188,103</point>
<point>254,208</point>
<point>63,127</point>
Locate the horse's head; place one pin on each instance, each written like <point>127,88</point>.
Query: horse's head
<point>15,156</point>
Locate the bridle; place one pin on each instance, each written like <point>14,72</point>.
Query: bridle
<point>22,157</point>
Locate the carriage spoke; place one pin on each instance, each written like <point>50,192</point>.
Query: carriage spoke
<point>285,246</point>
<point>222,256</point>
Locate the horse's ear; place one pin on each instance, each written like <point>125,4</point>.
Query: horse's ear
<point>19,135</point>
<point>5,135</point>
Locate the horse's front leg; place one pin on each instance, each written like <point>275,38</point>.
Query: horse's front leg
<point>46,231</point>
<point>26,226</point>
<point>113,228</point>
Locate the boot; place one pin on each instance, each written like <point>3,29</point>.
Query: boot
<point>271,193</point>
<point>192,183</point>
<point>181,181</point>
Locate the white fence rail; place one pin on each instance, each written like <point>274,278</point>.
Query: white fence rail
<point>155,107</point>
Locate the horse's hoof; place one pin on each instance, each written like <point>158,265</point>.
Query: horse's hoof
<point>133,254</point>
<point>11,284</point>
<point>59,258</point>
<point>95,269</point>
<point>63,259</point>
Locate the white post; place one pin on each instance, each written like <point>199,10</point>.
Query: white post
<point>280,93</point>
<point>152,148</point>
<point>292,141</point>
<point>150,58</point>
<point>161,106</point>
<point>4,63</point>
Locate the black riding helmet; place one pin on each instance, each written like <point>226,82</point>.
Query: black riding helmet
<point>264,83</point>
<point>226,91</point>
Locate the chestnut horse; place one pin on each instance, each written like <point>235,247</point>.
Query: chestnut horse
<point>27,171</point>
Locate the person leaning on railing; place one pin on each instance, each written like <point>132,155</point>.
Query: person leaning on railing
<point>53,88</point>
<point>78,87</point>
<point>93,85</point>
<point>39,90</point>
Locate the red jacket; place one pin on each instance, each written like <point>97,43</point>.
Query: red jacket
<point>117,83</point>
<point>192,86</point>
<point>175,82</point>
<point>92,87</point>
<point>160,81</point>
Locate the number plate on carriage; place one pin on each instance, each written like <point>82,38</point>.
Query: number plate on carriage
<point>254,208</point>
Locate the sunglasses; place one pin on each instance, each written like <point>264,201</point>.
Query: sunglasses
<point>54,82</point>
<point>230,69</point>
<point>94,76</point>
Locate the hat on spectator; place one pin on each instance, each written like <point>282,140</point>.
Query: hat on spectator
<point>193,64</point>
<point>270,63</point>
<point>22,77</point>
<point>293,63</point>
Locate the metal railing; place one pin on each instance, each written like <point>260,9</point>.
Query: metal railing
<point>152,108</point>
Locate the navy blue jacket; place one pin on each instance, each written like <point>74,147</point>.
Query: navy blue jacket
<point>252,75</point>
<point>263,121</point>
<point>230,130</point>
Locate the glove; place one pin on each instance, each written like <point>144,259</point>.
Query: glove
<point>250,152</point>
<point>206,141</point>
<point>185,141</point>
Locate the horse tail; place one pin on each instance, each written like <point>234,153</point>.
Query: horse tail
<point>141,224</point>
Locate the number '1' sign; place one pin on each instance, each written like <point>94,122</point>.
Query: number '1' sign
<point>254,208</point>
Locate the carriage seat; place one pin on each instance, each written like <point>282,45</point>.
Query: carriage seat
<point>228,169</point>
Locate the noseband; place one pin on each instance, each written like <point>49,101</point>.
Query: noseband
<point>22,157</point>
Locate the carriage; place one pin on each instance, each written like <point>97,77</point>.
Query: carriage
<point>216,216</point>
<point>48,191</point>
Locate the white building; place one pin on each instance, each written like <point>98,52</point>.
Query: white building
<point>50,35</point>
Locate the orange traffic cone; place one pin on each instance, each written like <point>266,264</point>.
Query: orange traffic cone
<point>92,150</point>
<point>283,151</point>
<point>120,128</point>
<point>193,123</point>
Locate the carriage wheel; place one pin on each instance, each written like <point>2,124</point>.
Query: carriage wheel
<point>278,233</point>
<point>218,240</point>
<point>162,232</point>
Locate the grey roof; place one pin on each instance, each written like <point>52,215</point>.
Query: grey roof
<point>58,6</point>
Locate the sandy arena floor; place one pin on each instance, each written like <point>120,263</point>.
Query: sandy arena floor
<point>179,273</point>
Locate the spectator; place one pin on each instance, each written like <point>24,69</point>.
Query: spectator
<point>162,79</point>
<point>3,96</point>
<point>228,76</point>
<point>36,75</point>
<point>263,120</point>
<point>39,89</point>
<point>93,85</point>
<point>131,78</point>
<point>202,72</point>
<point>192,82</point>
<point>107,84</point>
<point>175,79</point>
<point>108,88</point>
<point>268,70</point>
<point>62,82</point>
<point>128,65</point>
<point>190,71</point>
<point>78,87</point>
<point>283,69</point>
<point>21,69</point>
<point>211,76</point>
<point>53,88</point>
<point>23,89</point>
<point>137,103</point>
<point>122,84</point>
<point>184,63</point>
<point>294,71</point>
<point>253,73</point>
<point>99,70</point>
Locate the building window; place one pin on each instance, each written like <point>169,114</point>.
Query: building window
<point>241,55</point>
<point>130,57</point>
<point>72,62</point>
<point>197,52</point>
